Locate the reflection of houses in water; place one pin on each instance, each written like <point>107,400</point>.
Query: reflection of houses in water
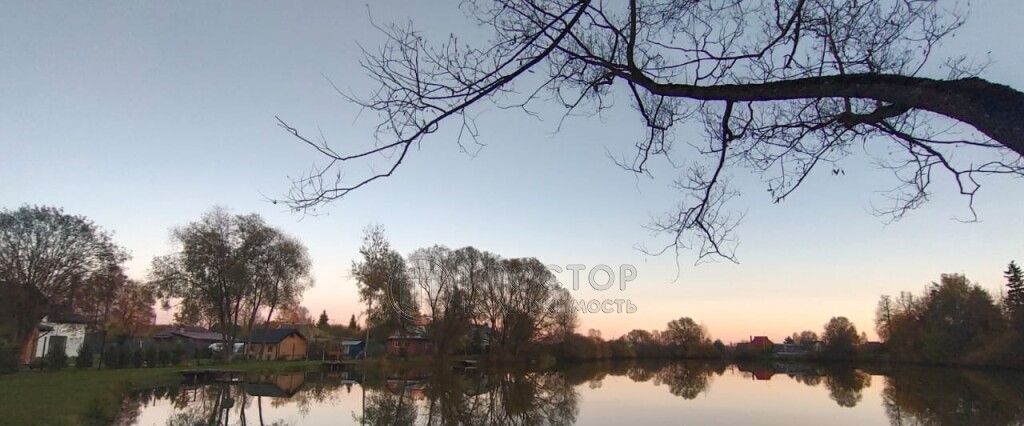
<point>345,377</point>
<point>758,371</point>
<point>762,371</point>
<point>277,386</point>
<point>763,374</point>
<point>480,384</point>
<point>414,389</point>
<point>411,383</point>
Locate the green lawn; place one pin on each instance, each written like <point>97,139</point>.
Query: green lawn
<point>74,397</point>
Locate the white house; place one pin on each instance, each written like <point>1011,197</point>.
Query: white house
<point>67,328</point>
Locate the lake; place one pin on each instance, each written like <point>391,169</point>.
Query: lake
<point>596,394</point>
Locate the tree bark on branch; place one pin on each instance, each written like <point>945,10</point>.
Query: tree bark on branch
<point>994,109</point>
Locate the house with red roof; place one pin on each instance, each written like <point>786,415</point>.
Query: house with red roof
<point>757,344</point>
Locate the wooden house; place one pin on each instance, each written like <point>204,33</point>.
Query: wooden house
<point>409,345</point>
<point>279,343</point>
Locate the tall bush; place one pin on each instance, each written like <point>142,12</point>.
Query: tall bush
<point>150,354</point>
<point>84,358</point>
<point>163,356</point>
<point>111,357</point>
<point>177,354</point>
<point>8,357</point>
<point>56,358</point>
<point>137,358</point>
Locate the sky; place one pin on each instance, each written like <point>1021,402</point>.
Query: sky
<point>144,115</point>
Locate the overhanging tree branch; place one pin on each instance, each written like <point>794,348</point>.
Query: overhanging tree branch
<point>994,109</point>
<point>808,80</point>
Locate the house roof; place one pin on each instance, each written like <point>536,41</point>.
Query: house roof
<point>67,318</point>
<point>189,334</point>
<point>166,328</point>
<point>407,337</point>
<point>761,341</point>
<point>274,335</point>
<point>351,342</point>
<point>410,332</point>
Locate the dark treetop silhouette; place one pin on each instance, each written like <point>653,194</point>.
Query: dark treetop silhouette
<point>780,86</point>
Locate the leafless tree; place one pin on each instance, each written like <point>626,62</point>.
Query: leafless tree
<point>781,87</point>
<point>528,287</point>
<point>434,272</point>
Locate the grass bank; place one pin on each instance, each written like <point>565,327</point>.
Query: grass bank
<point>86,397</point>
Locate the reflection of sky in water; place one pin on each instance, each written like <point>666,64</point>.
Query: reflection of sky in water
<point>611,394</point>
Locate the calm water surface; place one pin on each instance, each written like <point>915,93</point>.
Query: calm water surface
<point>596,394</point>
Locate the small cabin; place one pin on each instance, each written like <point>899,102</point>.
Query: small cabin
<point>408,345</point>
<point>758,345</point>
<point>61,332</point>
<point>277,344</point>
<point>353,349</point>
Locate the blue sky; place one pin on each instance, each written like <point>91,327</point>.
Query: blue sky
<point>144,115</point>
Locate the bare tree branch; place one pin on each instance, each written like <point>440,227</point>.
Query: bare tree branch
<point>783,87</point>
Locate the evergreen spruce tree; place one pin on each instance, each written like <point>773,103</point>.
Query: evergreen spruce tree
<point>352,325</point>
<point>322,323</point>
<point>1015,295</point>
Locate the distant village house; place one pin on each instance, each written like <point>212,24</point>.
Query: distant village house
<point>353,349</point>
<point>279,343</point>
<point>189,336</point>
<point>757,344</point>
<point>55,331</point>
<point>409,344</point>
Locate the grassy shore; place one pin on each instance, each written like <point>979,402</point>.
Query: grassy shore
<point>76,397</point>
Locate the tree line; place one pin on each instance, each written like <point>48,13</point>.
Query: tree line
<point>233,272</point>
<point>227,272</point>
<point>956,321</point>
<point>464,299</point>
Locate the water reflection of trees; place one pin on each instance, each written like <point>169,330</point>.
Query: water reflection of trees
<point>845,384</point>
<point>506,398</point>
<point>922,396</point>
<point>518,397</point>
<point>528,397</point>
<point>213,403</point>
<point>687,380</point>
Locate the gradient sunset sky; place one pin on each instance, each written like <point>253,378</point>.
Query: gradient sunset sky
<point>144,115</point>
